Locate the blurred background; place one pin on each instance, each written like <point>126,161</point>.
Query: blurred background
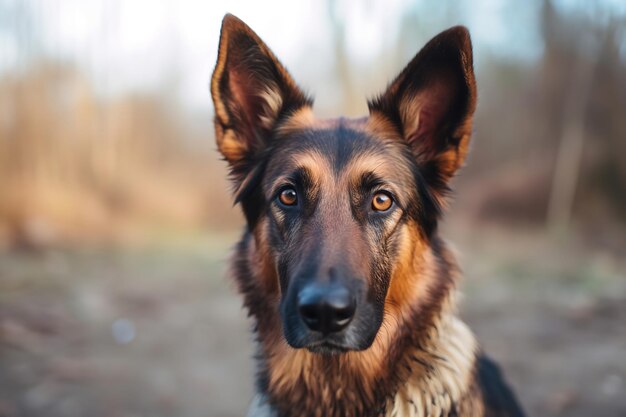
<point>116,219</point>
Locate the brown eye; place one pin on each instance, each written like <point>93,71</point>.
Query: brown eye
<point>381,202</point>
<point>288,197</point>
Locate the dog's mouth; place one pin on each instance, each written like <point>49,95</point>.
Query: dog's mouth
<point>327,347</point>
<point>331,337</point>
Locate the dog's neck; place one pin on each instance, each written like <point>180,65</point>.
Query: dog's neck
<point>418,365</point>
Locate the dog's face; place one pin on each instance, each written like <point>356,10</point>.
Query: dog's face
<point>336,205</point>
<point>334,199</point>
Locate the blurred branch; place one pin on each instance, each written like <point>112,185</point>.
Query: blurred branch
<point>338,27</point>
<point>569,154</point>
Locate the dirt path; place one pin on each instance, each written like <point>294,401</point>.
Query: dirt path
<point>160,332</point>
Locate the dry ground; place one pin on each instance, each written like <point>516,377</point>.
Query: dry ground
<point>159,331</point>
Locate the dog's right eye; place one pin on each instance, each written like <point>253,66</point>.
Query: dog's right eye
<point>382,201</point>
<point>288,197</point>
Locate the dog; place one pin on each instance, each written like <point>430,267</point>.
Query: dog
<point>341,267</point>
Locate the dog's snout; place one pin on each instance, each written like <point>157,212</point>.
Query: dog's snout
<point>326,309</point>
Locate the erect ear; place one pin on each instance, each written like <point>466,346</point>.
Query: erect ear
<point>251,92</point>
<point>431,103</point>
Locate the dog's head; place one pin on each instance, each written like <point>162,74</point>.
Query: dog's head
<point>339,207</point>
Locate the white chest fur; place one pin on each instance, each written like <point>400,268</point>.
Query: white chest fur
<point>447,371</point>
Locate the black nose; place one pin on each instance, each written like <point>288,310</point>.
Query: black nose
<point>326,309</point>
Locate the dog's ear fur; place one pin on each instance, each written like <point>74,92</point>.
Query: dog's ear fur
<point>431,103</point>
<point>251,92</point>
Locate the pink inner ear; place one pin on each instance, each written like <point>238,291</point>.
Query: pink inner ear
<point>240,86</point>
<point>425,112</point>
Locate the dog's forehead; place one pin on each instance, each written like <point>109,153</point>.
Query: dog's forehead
<point>336,146</point>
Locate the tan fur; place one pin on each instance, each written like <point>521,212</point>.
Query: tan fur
<point>220,107</point>
<point>404,279</point>
<point>300,120</point>
<point>379,126</point>
<point>273,104</point>
<point>260,254</point>
<point>229,144</point>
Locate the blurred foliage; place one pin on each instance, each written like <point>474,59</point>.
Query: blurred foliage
<point>75,167</point>
<point>550,142</point>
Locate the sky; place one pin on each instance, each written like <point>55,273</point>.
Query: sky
<point>145,44</point>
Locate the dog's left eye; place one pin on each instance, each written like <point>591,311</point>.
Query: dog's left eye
<point>288,197</point>
<point>382,201</point>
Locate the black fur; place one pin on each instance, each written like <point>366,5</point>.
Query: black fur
<point>497,395</point>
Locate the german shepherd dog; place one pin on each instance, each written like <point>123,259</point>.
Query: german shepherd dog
<point>350,288</point>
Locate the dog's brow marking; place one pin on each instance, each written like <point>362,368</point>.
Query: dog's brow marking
<point>368,162</point>
<point>311,161</point>
<point>314,162</point>
<point>382,166</point>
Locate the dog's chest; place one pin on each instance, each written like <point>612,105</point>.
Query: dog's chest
<point>440,382</point>
<point>443,379</point>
